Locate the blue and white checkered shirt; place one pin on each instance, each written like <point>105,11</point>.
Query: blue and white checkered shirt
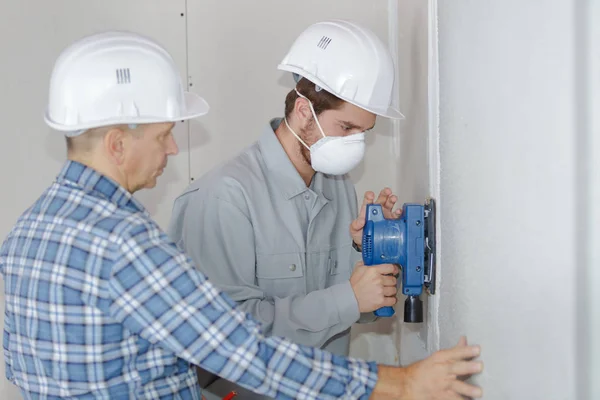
<point>100,304</point>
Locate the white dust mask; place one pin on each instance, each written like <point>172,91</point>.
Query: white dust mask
<point>333,155</point>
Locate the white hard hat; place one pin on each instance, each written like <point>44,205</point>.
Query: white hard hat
<point>348,61</point>
<point>115,78</point>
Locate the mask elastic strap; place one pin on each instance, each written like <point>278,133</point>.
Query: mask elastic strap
<point>312,110</point>
<point>294,133</point>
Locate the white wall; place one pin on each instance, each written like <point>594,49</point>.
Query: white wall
<point>589,204</point>
<point>509,185</point>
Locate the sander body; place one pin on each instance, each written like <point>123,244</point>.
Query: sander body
<point>408,241</point>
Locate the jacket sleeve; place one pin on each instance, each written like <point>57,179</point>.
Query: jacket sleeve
<point>156,293</point>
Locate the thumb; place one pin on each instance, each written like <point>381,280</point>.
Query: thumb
<point>359,222</point>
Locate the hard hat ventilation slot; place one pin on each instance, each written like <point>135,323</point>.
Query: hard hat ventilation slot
<point>324,42</point>
<point>123,76</point>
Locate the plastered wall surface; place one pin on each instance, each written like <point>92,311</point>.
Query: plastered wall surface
<point>508,191</point>
<point>588,91</point>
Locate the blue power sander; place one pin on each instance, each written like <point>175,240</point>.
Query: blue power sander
<point>408,241</point>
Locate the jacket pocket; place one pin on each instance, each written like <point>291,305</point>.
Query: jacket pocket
<point>280,275</point>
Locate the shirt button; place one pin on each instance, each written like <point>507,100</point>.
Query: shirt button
<point>307,197</point>
<point>293,267</point>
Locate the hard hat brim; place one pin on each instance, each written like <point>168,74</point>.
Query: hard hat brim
<point>390,112</point>
<point>195,106</point>
<point>298,73</point>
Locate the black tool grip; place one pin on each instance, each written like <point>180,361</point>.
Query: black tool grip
<point>413,309</point>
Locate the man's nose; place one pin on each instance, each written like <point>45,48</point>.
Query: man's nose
<point>172,148</point>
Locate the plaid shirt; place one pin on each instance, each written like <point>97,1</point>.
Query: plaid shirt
<point>100,304</point>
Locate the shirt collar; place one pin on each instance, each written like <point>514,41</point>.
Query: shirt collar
<point>98,185</point>
<point>280,166</point>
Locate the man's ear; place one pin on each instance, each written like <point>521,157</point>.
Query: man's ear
<point>302,108</point>
<point>115,142</point>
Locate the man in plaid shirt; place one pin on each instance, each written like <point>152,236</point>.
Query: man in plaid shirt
<point>100,304</point>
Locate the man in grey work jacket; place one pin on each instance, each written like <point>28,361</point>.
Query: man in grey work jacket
<point>271,226</point>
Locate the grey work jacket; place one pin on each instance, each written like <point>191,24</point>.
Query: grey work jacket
<point>281,249</point>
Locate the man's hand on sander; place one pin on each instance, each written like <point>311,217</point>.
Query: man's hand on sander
<point>372,288</point>
<point>387,200</point>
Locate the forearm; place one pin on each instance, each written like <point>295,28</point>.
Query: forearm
<point>389,383</point>
<point>313,373</point>
<point>224,340</point>
<point>197,322</point>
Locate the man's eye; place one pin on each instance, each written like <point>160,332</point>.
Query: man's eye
<point>346,128</point>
